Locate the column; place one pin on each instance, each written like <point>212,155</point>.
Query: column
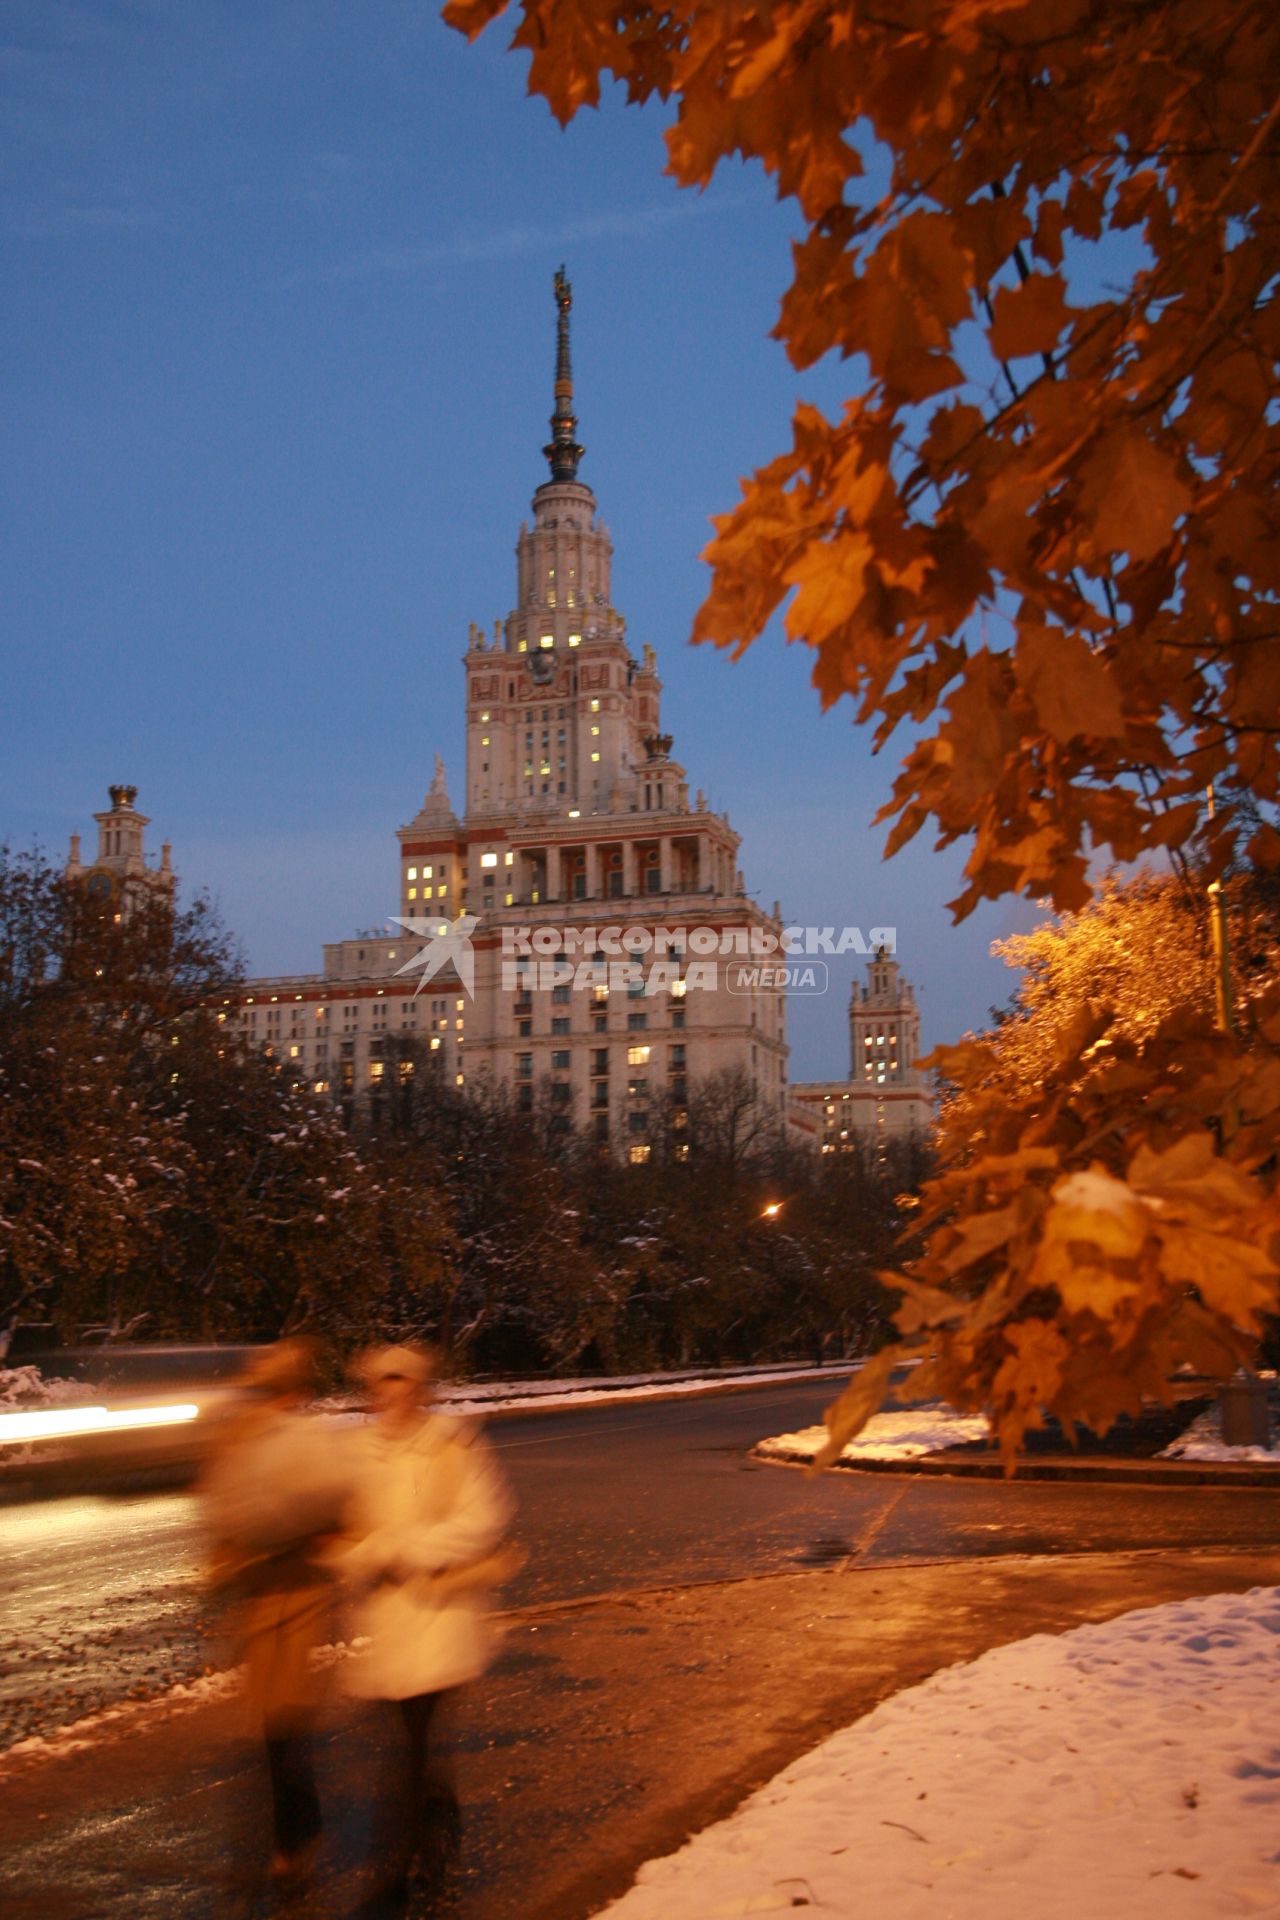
<point>555,888</point>
<point>628,867</point>
<point>664,864</point>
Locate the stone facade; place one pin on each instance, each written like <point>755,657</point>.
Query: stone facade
<point>885,1096</point>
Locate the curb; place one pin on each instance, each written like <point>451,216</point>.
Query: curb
<point>951,1464</point>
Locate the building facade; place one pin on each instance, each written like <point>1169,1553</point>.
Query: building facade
<point>578,936</point>
<point>885,1096</point>
<point>119,875</point>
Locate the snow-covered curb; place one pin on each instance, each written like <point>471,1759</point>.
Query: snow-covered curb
<point>886,1436</point>
<point>1127,1771</point>
<point>1203,1440</point>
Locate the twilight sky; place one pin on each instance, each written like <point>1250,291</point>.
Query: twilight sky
<point>278,346</point>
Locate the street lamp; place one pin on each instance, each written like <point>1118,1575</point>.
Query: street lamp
<point>771,1210</point>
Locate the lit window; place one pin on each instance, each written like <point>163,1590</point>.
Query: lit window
<point>484,739</point>
<point>678,989</point>
<point>508,859</point>
<point>412,873</point>
<point>376,1069</point>
<point>440,894</point>
<point>595,706</point>
<point>637,1155</point>
<point>435,1042</point>
<point>413,892</point>
<point>637,1056</point>
<point>428,893</point>
<point>484,717</point>
<point>595,756</point>
<point>457,1079</point>
<point>575,639</point>
<point>546,640</point>
<point>488,859</point>
<point>522,646</point>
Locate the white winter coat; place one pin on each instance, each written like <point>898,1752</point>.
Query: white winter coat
<point>427,1503</point>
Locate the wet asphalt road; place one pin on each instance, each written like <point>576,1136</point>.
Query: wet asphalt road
<point>102,1601</point>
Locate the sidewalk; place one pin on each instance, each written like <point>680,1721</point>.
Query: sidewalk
<point>610,1731</point>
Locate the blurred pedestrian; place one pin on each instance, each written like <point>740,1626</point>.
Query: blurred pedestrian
<point>275,1489</point>
<point>430,1522</point>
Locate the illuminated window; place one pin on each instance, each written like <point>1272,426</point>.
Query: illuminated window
<point>457,1079</point>
<point>595,706</point>
<point>546,640</point>
<point>595,756</point>
<point>376,1069</point>
<point>459,1006</point>
<point>428,893</point>
<point>435,1042</point>
<point>679,988</point>
<point>428,873</point>
<point>412,873</point>
<point>293,1051</point>
<point>508,859</point>
<point>595,733</point>
<point>488,859</point>
<point>413,892</point>
<point>637,1155</point>
<point>441,892</point>
<point>575,639</point>
<point>637,1056</point>
<point>522,646</point>
<point>484,717</point>
<point>484,739</point>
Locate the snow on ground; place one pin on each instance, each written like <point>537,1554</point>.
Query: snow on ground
<point>24,1389</point>
<point>1203,1440</point>
<point>887,1436</point>
<point>1128,1771</point>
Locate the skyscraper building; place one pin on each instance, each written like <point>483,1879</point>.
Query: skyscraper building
<point>579,935</point>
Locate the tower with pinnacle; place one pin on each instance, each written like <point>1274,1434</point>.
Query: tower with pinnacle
<point>575,825</point>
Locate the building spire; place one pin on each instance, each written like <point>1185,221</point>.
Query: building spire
<point>563,451</point>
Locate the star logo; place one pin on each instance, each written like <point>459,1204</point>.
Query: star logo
<point>446,945</point>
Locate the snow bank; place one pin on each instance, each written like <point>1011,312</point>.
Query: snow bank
<point>1129,1771</point>
<point>22,1389</point>
<point>1203,1440</point>
<point>887,1436</point>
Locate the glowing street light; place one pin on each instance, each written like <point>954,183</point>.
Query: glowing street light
<point>771,1211</point>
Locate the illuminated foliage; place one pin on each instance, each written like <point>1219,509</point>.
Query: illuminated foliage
<point>1045,233</point>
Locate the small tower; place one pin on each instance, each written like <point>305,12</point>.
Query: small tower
<point>120,867</point>
<point>884,1027</point>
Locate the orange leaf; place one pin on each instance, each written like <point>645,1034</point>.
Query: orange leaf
<point>1071,687</point>
<point>1131,493</point>
<point>1028,318</point>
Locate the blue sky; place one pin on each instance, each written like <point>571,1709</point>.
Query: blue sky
<point>278,343</point>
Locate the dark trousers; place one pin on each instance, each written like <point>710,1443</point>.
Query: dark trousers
<point>417,1823</point>
<point>294,1801</point>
